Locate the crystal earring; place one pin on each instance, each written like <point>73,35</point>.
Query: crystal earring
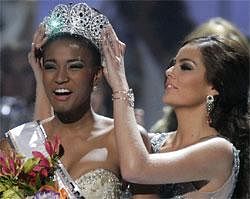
<point>210,103</point>
<point>209,106</point>
<point>95,88</point>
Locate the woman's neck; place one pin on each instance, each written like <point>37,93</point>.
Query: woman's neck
<point>192,126</point>
<point>83,125</point>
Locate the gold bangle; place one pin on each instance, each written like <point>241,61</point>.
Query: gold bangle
<point>127,96</point>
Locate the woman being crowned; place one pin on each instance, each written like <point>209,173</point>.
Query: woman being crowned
<point>66,59</point>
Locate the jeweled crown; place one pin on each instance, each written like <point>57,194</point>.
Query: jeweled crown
<point>77,19</point>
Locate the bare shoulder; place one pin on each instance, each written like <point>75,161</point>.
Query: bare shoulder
<point>216,148</point>
<point>103,120</point>
<point>105,124</point>
<point>218,153</point>
<point>220,145</point>
<point>5,146</point>
<point>219,156</point>
<point>104,127</point>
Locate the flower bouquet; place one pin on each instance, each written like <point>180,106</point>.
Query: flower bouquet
<point>33,177</point>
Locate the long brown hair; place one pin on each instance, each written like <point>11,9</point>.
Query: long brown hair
<point>227,69</point>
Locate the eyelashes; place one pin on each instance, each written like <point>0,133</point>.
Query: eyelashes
<point>171,63</point>
<point>76,66</point>
<point>73,66</point>
<point>183,66</point>
<point>186,66</point>
<point>49,66</point>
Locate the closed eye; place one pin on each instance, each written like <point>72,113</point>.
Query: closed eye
<point>186,66</point>
<point>76,65</point>
<point>49,66</point>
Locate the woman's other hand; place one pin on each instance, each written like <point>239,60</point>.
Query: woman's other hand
<point>39,39</point>
<point>42,109</point>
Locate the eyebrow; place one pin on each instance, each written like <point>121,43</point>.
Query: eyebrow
<point>68,61</point>
<point>48,60</point>
<point>172,61</point>
<point>74,60</point>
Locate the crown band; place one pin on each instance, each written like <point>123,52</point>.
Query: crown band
<point>78,19</point>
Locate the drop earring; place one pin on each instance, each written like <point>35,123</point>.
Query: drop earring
<point>94,88</point>
<point>209,106</point>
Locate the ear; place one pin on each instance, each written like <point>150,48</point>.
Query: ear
<point>212,91</point>
<point>98,77</point>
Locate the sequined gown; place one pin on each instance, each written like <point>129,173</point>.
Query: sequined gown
<point>190,190</point>
<point>100,183</point>
<point>96,184</point>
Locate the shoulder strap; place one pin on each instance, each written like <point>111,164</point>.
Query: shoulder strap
<point>157,141</point>
<point>27,138</point>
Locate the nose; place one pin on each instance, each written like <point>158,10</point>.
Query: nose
<point>62,76</point>
<point>170,72</point>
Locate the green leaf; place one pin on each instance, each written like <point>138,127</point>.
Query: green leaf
<point>2,187</point>
<point>12,193</point>
<point>38,182</point>
<point>27,189</point>
<point>29,164</point>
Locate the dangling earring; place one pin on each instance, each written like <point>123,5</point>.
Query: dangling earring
<point>94,88</point>
<point>209,106</point>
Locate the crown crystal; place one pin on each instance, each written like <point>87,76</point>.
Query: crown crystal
<point>77,19</point>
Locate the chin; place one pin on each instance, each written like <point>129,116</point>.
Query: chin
<point>166,99</point>
<point>169,101</point>
<point>61,109</point>
<point>61,106</point>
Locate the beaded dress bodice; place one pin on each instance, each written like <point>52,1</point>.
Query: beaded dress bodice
<point>100,183</point>
<point>189,189</point>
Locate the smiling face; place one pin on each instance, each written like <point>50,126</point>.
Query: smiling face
<point>186,84</point>
<point>68,76</point>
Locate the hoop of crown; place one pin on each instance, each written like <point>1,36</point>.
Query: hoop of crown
<point>78,19</point>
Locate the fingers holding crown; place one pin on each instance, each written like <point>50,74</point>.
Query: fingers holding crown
<point>113,50</point>
<point>39,37</point>
<point>112,42</point>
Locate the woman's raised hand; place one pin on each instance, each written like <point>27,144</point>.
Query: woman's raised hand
<point>113,51</point>
<point>39,39</point>
<point>42,109</point>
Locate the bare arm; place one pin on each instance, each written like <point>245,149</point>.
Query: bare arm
<point>137,165</point>
<point>42,108</point>
<point>144,191</point>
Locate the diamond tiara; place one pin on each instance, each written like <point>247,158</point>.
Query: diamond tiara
<point>77,19</point>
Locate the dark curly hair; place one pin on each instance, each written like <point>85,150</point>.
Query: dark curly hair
<point>227,69</point>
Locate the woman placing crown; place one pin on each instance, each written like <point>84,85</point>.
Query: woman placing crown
<point>207,84</point>
<point>67,63</point>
